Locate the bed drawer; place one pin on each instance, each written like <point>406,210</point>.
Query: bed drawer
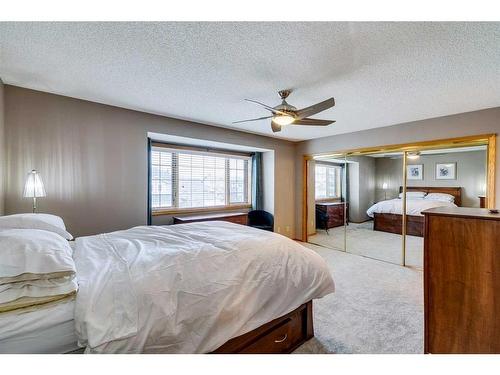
<point>282,335</point>
<point>280,339</point>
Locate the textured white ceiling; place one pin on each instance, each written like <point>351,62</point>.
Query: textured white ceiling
<point>380,73</point>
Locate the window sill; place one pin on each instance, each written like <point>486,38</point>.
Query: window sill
<point>197,210</point>
<point>327,200</point>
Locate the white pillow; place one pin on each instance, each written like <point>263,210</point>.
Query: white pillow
<point>440,197</point>
<point>33,254</point>
<point>413,194</point>
<point>51,223</point>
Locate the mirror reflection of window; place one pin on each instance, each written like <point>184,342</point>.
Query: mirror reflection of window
<point>327,181</point>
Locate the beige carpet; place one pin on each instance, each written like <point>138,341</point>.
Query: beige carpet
<point>363,240</point>
<point>377,307</point>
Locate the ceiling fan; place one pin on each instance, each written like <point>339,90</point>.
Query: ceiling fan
<point>286,114</point>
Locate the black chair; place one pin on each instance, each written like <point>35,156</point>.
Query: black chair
<point>261,219</point>
<point>322,220</point>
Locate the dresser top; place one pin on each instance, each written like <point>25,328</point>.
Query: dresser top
<point>215,215</point>
<point>478,213</point>
<point>329,203</point>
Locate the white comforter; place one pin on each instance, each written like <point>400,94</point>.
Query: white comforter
<point>413,206</point>
<point>188,288</point>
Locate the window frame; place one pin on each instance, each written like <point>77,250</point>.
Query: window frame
<point>175,179</point>
<point>338,184</point>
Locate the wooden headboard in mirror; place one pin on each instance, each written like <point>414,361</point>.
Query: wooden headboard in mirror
<point>455,191</point>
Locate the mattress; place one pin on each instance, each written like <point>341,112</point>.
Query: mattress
<point>414,207</point>
<point>47,330</point>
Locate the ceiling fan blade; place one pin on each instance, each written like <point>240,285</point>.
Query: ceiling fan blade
<point>275,127</point>
<point>274,111</point>
<point>254,119</point>
<point>316,108</point>
<point>312,122</point>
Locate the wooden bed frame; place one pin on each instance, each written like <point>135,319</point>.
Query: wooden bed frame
<point>281,335</point>
<point>393,223</point>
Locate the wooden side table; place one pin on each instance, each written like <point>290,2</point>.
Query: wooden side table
<point>335,212</point>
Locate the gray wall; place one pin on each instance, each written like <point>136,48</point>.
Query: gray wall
<point>2,149</point>
<point>390,171</point>
<point>361,193</point>
<point>471,174</point>
<point>471,123</point>
<point>93,159</point>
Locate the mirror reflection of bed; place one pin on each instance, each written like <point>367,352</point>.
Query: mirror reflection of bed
<point>370,189</point>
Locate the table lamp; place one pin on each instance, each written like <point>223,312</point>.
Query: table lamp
<point>384,186</point>
<point>34,187</point>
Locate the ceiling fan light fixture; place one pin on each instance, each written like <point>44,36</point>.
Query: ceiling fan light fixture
<point>286,114</point>
<point>283,120</point>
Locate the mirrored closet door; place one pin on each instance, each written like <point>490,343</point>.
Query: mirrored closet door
<point>370,203</point>
<point>326,196</point>
<point>374,187</point>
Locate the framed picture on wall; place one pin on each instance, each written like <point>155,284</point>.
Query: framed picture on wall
<point>415,172</point>
<point>446,171</point>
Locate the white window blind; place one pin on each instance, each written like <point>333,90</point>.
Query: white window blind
<point>237,171</point>
<point>161,179</point>
<point>194,179</point>
<point>327,181</point>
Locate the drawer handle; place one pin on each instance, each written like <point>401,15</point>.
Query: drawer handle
<point>281,340</point>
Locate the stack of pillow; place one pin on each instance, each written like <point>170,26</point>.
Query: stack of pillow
<point>413,195</point>
<point>442,197</point>
<point>36,266</point>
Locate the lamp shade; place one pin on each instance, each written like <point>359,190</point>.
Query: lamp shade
<point>384,185</point>
<point>34,186</point>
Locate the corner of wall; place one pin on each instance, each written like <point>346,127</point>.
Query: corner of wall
<point>2,148</point>
<point>268,174</point>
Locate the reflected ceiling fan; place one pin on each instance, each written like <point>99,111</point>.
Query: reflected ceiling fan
<point>286,114</point>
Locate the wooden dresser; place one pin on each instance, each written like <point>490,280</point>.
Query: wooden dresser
<point>233,217</point>
<point>335,212</point>
<point>462,280</point>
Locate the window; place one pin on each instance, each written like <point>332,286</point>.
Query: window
<point>185,179</point>
<point>327,181</point>
<point>237,171</point>
<point>161,179</point>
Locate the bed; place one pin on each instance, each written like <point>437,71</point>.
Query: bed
<point>191,288</point>
<point>211,287</point>
<point>387,214</point>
